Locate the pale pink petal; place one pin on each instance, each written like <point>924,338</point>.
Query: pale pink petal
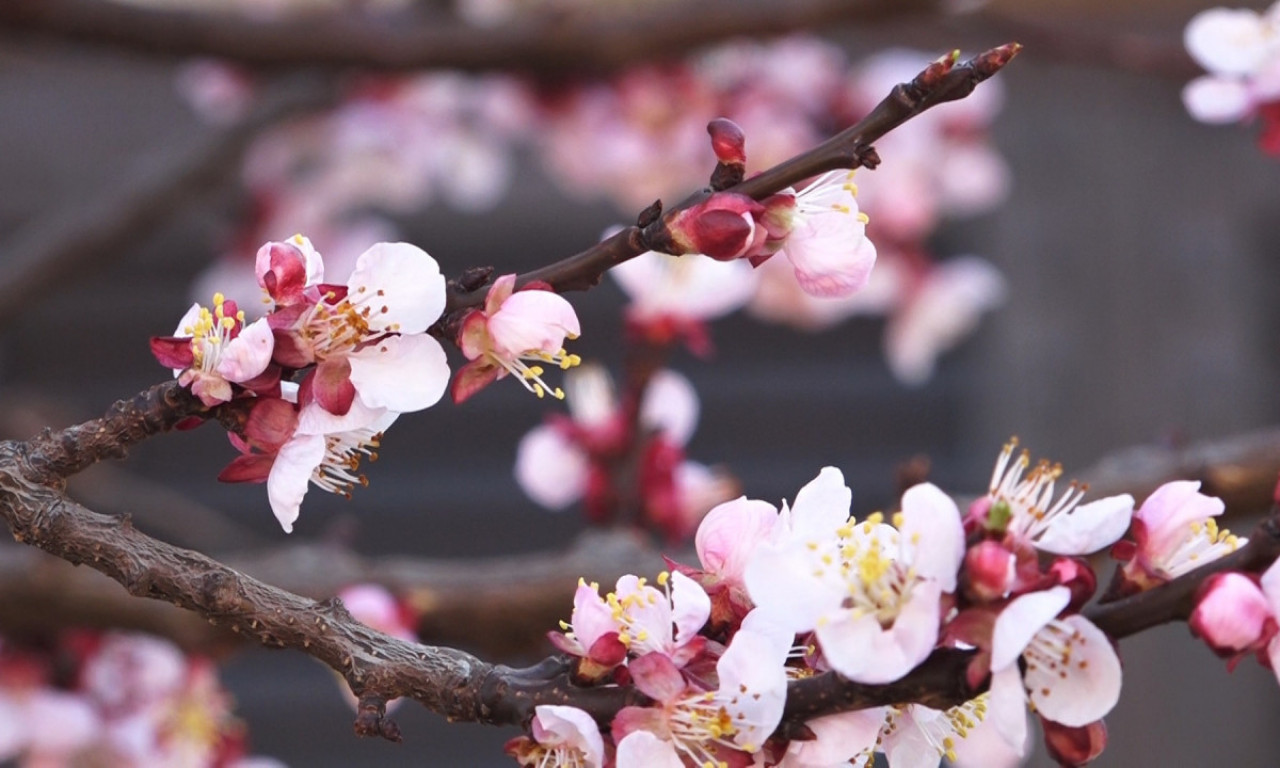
<point>400,285</point>
<point>314,420</point>
<point>932,534</point>
<point>1171,510</point>
<point>863,651</point>
<point>974,179</point>
<point>400,373</point>
<point>753,687</point>
<point>832,255</point>
<point>1228,41</point>
<point>911,745</point>
<point>372,605</point>
<point>571,727</point>
<point>592,618</point>
<point>1217,100</point>
<point>781,582</point>
<point>290,475</point>
<point>641,749</point>
<point>59,724</point>
<point>984,746</point>
<point>940,314</point>
<point>690,607</point>
<point>1088,528</point>
<point>684,286</point>
<point>670,404</point>
<point>532,321</point>
<point>13,733</point>
<point>837,739</point>
<point>186,326</point>
<point>1090,686</point>
<point>1021,620</point>
<point>550,468</point>
<point>592,403</point>
<point>1007,707</point>
<point>730,533</point>
<point>248,354</point>
<point>821,506</point>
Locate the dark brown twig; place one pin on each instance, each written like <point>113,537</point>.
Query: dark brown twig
<point>851,148</point>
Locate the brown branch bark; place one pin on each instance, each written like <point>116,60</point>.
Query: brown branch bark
<point>560,44</point>
<point>77,240</point>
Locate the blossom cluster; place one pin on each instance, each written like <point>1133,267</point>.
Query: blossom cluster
<point>780,595</point>
<point>395,144</point>
<point>587,454</point>
<point>1240,49</point>
<point>116,699</point>
<point>333,365</point>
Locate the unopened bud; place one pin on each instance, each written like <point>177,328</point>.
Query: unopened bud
<point>728,141</point>
<point>1075,746</point>
<point>1232,614</point>
<point>989,571</point>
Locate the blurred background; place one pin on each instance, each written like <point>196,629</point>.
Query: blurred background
<point>1138,254</point>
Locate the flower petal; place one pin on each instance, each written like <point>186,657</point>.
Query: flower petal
<point>729,534</point>
<point>401,285</point>
<point>690,607</point>
<point>287,482</point>
<point>550,468</point>
<point>863,651</point>
<point>401,373</point>
<point>932,534</point>
<point>1089,527</point>
<point>569,726</point>
<point>670,404</point>
<point>1021,620</point>
<point>641,749</point>
<point>1089,685</point>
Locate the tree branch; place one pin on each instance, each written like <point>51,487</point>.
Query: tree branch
<point>553,44</point>
<point>851,148</point>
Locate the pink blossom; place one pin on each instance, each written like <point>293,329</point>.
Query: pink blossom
<point>664,621</point>
<point>514,326</point>
<point>838,740</point>
<point>1174,532</point>
<point>564,737</point>
<point>1072,673</point>
<point>826,240</point>
<point>1240,48</point>
<point>731,721</point>
<point>213,349</point>
<point>592,633</point>
<point>940,310</point>
<point>729,535</point>
<point>368,338</point>
<point>1023,504</point>
<point>870,592</point>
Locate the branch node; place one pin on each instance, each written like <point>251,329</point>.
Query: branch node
<point>650,214</point>
<point>372,720</point>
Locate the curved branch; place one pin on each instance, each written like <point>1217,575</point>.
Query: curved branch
<point>554,44</point>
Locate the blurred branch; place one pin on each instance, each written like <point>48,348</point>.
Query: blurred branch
<point>553,44</point>
<point>1096,45</point>
<point>115,490</point>
<point>1240,469</point>
<point>77,240</point>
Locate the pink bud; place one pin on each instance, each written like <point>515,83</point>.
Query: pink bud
<point>1075,746</point>
<point>989,571</point>
<point>1232,614</point>
<point>723,227</point>
<point>728,141</point>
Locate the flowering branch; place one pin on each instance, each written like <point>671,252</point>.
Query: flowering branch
<point>941,82</point>
<point>555,45</point>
